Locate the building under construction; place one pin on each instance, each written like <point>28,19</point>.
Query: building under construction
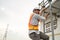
<point>51,26</point>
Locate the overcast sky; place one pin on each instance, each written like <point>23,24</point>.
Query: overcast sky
<point>16,13</point>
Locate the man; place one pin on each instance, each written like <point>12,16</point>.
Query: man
<point>35,18</point>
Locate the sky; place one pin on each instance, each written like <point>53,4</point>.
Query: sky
<point>16,13</point>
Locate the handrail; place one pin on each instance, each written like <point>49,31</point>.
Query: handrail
<point>44,3</point>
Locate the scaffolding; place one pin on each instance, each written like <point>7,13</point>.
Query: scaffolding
<point>48,4</point>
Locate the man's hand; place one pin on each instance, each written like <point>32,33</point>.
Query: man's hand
<point>43,9</point>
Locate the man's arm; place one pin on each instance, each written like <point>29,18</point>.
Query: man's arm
<point>41,17</point>
<point>46,16</point>
<point>43,9</point>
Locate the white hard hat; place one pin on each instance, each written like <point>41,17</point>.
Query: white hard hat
<point>37,8</point>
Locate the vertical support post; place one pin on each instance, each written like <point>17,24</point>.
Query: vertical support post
<point>43,21</point>
<point>43,2</point>
<point>52,27</point>
<point>5,35</point>
<point>44,27</point>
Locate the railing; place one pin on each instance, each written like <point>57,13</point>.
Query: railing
<point>43,3</point>
<point>46,4</point>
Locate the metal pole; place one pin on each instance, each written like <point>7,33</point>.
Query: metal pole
<point>52,27</point>
<point>5,35</point>
<point>43,21</point>
<point>44,27</point>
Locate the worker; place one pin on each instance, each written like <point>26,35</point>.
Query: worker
<point>35,18</point>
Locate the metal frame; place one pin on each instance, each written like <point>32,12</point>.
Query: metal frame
<point>50,8</point>
<point>52,28</point>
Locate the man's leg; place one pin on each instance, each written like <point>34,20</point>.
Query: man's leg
<point>34,36</point>
<point>43,36</point>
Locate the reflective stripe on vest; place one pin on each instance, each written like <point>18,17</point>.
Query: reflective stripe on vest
<point>32,27</point>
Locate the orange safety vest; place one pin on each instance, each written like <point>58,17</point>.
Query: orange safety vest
<point>32,27</point>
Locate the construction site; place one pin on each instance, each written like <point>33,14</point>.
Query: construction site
<point>14,18</point>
